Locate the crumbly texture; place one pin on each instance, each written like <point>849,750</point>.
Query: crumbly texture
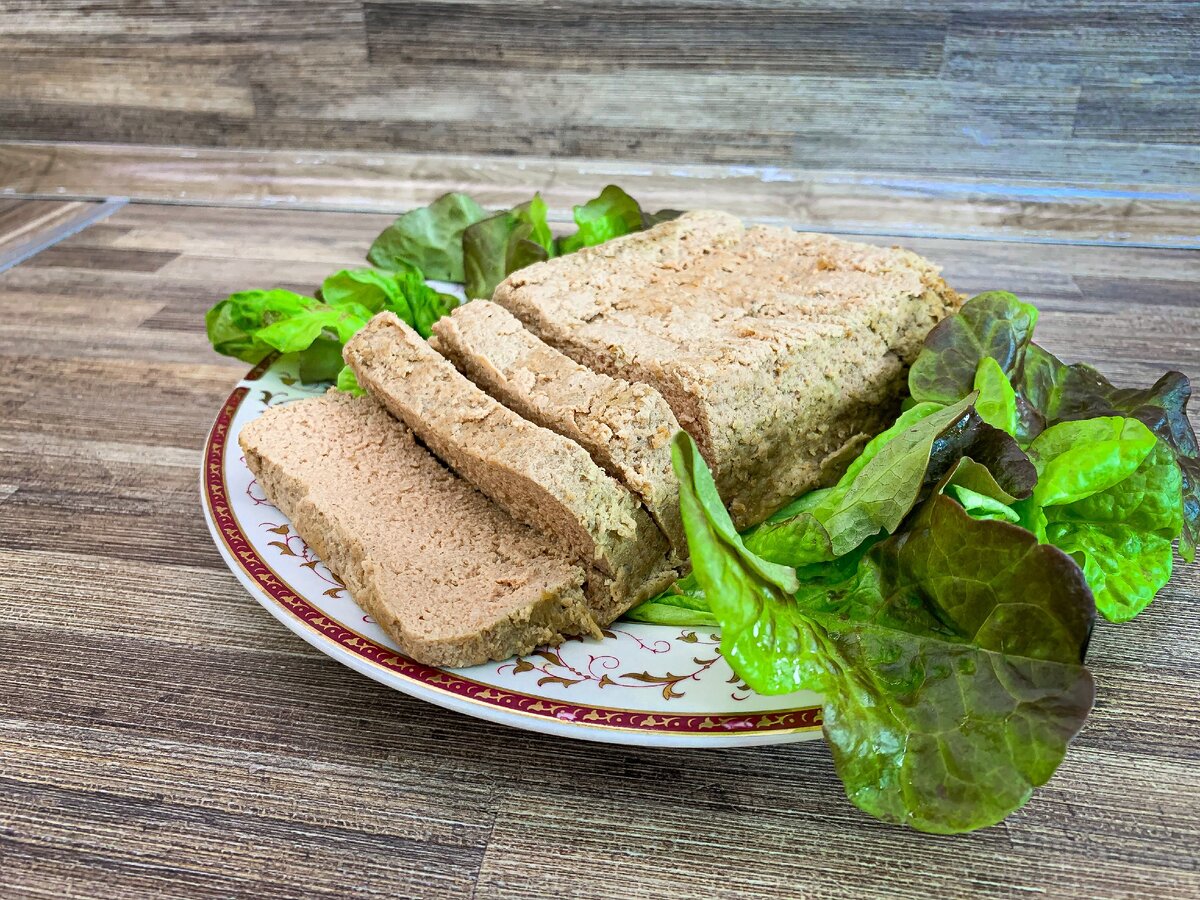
<point>541,478</point>
<point>627,428</point>
<point>611,597</point>
<point>773,348</point>
<point>453,579</point>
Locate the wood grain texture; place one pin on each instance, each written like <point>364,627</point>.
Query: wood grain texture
<point>160,734</point>
<point>1007,89</point>
<point>843,201</point>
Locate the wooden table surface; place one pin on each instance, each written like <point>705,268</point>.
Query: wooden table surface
<point>161,734</point>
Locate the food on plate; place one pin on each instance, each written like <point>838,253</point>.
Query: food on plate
<point>409,538</point>
<point>776,350</point>
<point>537,476</point>
<point>886,496</point>
<point>627,428</point>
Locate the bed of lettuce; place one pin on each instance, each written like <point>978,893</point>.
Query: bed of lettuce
<point>940,595</point>
<point>453,239</point>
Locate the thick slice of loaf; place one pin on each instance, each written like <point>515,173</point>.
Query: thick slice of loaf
<point>539,477</point>
<point>453,579</point>
<point>627,428</point>
<point>776,350</point>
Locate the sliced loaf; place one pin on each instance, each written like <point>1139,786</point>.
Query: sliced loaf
<point>539,477</point>
<point>452,579</point>
<point>627,428</point>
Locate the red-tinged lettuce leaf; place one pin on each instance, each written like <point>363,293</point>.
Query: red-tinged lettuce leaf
<point>649,220</point>
<point>429,238</point>
<point>886,481</point>
<point>994,324</point>
<point>498,246</point>
<point>612,214</point>
<point>950,654</point>
<point>960,644</point>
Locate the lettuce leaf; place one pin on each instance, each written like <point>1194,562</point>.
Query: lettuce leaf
<point>883,484</point>
<point>1057,392</point>
<point>403,292</point>
<point>1109,495</point>
<point>249,325</point>
<point>347,381</point>
<point>997,403</point>
<point>498,246</point>
<point>950,657</point>
<point>996,326</point>
<point>1075,460</point>
<point>429,238</point>
<point>612,214</point>
<point>992,325</point>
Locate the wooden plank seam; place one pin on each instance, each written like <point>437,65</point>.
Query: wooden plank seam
<point>71,227</point>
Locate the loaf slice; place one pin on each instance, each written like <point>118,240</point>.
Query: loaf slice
<point>539,477</point>
<point>451,577</point>
<point>776,350</point>
<point>627,428</point>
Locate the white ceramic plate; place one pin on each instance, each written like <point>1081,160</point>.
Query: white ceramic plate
<point>648,685</point>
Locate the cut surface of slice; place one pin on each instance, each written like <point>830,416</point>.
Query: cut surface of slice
<point>452,578</point>
<point>774,348</point>
<point>541,478</point>
<point>627,428</point>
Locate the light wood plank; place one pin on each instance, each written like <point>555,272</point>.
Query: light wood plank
<point>840,201</point>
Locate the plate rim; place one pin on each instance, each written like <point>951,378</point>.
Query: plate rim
<point>445,687</point>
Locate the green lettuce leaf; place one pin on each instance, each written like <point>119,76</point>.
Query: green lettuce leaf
<point>320,361</point>
<point>950,657</point>
<point>234,323</point>
<point>429,238</point>
<point>375,289</point>
<point>612,214</point>
<point>994,324</point>
<point>251,324</point>
<point>982,506</point>
<point>1117,510</point>
<point>997,403</point>
<point>347,381</point>
<point>403,292</point>
<point>876,492</point>
<point>1077,459</point>
<point>683,603</point>
<point>498,246</point>
<point>1057,392</point>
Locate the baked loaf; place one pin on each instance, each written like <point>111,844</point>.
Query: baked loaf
<point>778,351</point>
<point>453,579</point>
